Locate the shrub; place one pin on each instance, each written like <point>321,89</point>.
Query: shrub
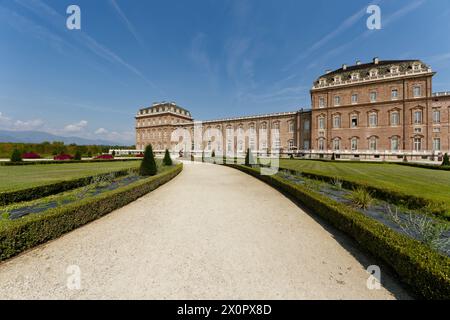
<point>22,234</point>
<point>361,198</point>
<point>446,161</point>
<point>203,156</point>
<point>114,153</point>
<point>333,157</point>
<point>249,159</point>
<point>89,154</point>
<point>167,161</point>
<point>148,165</point>
<point>16,156</point>
<point>77,155</point>
<point>424,270</point>
<point>30,155</point>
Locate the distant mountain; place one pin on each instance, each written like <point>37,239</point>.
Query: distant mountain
<point>39,137</point>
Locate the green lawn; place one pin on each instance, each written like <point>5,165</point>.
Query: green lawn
<point>21,177</point>
<point>426,183</point>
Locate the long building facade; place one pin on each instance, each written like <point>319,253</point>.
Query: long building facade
<point>379,110</point>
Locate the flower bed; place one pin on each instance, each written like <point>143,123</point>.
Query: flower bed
<point>30,155</point>
<point>105,157</point>
<point>25,233</point>
<point>426,271</point>
<point>63,157</point>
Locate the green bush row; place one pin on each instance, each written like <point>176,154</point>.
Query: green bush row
<point>27,163</point>
<point>53,188</point>
<point>19,235</point>
<point>427,272</point>
<point>410,201</point>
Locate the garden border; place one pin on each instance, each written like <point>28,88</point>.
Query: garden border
<point>34,193</point>
<point>19,235</point>
<point>26,163</point>
<point>425,271</point>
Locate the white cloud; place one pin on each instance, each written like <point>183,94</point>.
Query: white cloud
<point>101,131</point>
<point>28,124</point>
<point>76,127</point>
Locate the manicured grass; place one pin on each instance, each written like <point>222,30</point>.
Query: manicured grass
<point>14,178</point>
<point>430,184</point>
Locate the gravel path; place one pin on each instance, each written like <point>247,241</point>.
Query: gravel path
<point>211,233</point>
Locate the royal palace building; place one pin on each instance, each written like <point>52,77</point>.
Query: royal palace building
<point>382,109</point>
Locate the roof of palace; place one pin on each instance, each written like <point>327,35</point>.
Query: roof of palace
<point>383,67</point>
<point>159,107</point>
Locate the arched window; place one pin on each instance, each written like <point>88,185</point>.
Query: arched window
<point>395,143</point>
<point>336,144</point>
<point>373,143</point>
<point>354,144</point>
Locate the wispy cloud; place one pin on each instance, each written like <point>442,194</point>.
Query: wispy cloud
<point>344,26</point>
<point>126,21</point>
<point>54,18</point>
<point>76,127</point>
<point>198,54</point>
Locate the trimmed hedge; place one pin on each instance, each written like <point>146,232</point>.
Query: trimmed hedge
<point>427,272</point>
<point>26,163</point>
<point>53,188</point>
<point>19,235</point>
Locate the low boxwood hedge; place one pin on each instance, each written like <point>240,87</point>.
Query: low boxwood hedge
<point>27,163</point>
<point>427,272</point>
<point>19,235</point>
<point>53,188</point>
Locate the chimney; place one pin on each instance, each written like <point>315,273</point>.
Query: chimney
<point>376,60</point>
<point>344,67</point>
<point>358,62</point>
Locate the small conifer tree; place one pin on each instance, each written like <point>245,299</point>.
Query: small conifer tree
<point>77,155</point>
<point>446,161</point>
<point>148,165</point>
<point>16,156</point>
<point>167,161</point>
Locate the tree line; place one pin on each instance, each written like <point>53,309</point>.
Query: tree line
<point>50,149</point>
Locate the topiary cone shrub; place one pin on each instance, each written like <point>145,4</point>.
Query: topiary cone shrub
<point>16,156</point>
<point>446,161</point>
<point>148,165</point>
<point>249,160</point>
<point>77,155</point>
<point>167,161</point>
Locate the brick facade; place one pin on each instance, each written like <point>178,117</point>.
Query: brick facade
<point>383,109</point>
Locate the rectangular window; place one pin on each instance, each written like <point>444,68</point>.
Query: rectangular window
<point>321,102</point>
<point>291,127</point>
<point>417,91</point>
<point>417,144</point>
<point>394,94</point>
<point>354,121</point>
<point>373,120</point>
<point>354,98</point>
<point>436,144</point>
<point>418,117</point>
<point>336,144</point>
<point>321,144</point>
<point>354,144</point>
<point>321,123</point>
<point>395,119</point>
<point>394,144</point>
<point>306,125</point>
<point>436,116</point>
<point>337,100</point>
<point>306,145</point>
<point>337,122</point>
<point>373,97</point>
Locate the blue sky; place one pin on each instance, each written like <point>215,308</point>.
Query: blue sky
<point>217,58</point>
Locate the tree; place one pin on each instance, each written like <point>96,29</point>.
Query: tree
<point>89,154</point>
<point>148,164</point>
<point>446,161</point>
<point>77,155</point>
<point>203,156</point>
<point>333,157</point>
<point>213,156</point>
<point>16,156</point>
<point>114,153</point>
<point>167,161</point>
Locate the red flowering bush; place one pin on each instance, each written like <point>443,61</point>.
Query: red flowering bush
<point>105,157</point>
<point>63,157</point>
<point>30,155</point>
